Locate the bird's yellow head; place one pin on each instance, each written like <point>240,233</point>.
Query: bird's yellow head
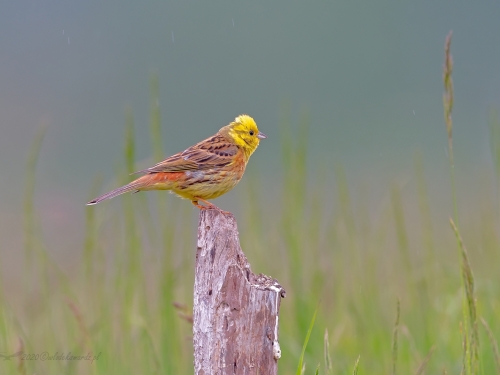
<point>244,133</point>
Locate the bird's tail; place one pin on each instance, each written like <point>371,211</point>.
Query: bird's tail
<point>133,186</point>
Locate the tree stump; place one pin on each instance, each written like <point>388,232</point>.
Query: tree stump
<point>235,312</point>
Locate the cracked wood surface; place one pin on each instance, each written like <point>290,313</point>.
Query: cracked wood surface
<point>235,312</point>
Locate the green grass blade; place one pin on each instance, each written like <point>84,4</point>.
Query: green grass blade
<point>472,343</point>
<point>493,342</point>
<point>328,359</point>
<point>301,359</point>
<point>356,364</point>
<point>426,360</point>
<point>395,339</point>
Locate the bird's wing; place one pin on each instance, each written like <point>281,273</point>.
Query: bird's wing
<point>214,152</point>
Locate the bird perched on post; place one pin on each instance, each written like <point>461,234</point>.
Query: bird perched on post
<point>204,171</point>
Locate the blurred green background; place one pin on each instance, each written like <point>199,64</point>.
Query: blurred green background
<point>346,202</point>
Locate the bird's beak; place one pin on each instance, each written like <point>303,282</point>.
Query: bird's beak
<point>261,135</point>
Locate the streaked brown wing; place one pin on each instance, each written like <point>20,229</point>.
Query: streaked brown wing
<point>214,152</point>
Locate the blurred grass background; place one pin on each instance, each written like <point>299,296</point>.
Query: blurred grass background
<point>386,282</point>
<point>347,202</point>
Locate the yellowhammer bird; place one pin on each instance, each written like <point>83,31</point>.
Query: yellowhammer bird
<point>203,171</point>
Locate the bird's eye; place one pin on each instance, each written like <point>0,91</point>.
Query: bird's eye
<point>251,132</point>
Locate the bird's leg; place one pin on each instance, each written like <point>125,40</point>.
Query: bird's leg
<point>210,206</point>
<point>196,204</point>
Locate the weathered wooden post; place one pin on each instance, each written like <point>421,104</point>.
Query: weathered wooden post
<point>235,312</point>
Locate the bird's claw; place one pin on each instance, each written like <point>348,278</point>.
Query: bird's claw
<point>209,206</point>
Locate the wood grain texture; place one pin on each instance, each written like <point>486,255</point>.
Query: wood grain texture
<point>235,312</point>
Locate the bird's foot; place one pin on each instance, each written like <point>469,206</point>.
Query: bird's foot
<point>209,206</point>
